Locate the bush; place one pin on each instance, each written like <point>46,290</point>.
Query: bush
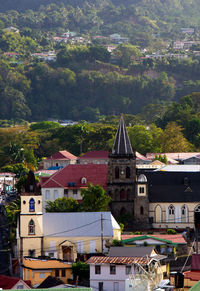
<point>171,231</point>
<point>137,232</point>
<point>117,243</point>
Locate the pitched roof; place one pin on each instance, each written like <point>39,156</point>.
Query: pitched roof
<point>118,260</point>
<point>79,224</point>
<point>95,155</point>
<point>7,282</point>
<point>141,157</point>
<point>192,275</point>
<point>174,186</point>
<point>95,174</point>
<point>170,238</point>
<point>62,155</point>
<point>180,168</point>
<point>175,156</point>
<point>50,282</point>
<point>130,251</point>
<point>122,145</point>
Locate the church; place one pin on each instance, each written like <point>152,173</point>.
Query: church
<point>151,199</point>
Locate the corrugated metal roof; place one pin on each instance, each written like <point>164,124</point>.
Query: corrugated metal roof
<point>179,168</point>
<point>79,224</point>
<point>118,260</point>
<point>130,251</point>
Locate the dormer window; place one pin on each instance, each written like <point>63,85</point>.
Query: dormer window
<point>31,205</point>
<point>83,180</point>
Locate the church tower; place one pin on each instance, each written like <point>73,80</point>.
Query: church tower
<point>30,226</point>
<point>122,173</point>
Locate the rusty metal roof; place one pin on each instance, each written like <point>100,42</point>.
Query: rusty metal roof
<point>119,260</point>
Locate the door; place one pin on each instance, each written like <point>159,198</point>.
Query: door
<point>116,286</point>
<point>100,286</point>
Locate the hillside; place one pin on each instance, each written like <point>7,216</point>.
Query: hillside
<point>142,21</point>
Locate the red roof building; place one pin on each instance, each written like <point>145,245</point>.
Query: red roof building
<point>70,180</point>
<point>58,160</point>
<point>94,157</point>
<point>7,282</point>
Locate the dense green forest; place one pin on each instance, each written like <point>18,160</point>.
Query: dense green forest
<point>86,81</point>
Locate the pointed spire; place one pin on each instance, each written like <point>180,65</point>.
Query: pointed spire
<point>122,145</point>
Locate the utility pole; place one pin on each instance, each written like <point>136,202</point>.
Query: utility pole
<point>102,233</point>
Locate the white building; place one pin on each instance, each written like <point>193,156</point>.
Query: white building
<point>112,272</point>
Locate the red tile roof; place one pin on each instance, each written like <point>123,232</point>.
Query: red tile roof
<point>140,157</point>
<point>95,174</point>
<point>62,155</point>
<point>7,282</point>
<point>95,155</point>
<point>192,275</point>
<point>174,238</point>
<point>118,260</point>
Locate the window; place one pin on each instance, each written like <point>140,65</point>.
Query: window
<point>184,213</point>
<point>92,246</point>
<point>57,273</point>
<point>128,270</point>
<point>117,173</point>
<point>20,286</point>
<point>83,180</point>
<point>141,190</point>
<point>128,172</point>
<point>55,194</point>
<point>31,205</point>
<point>66,193</point>
<point>31,227</point>
<point>31,253</point>
<point>80,246</point>
<point>75,193</point>
<point>141,210</point>
<point>112,269</point>
<point>47,194</point>
<point>63,273</point>
<point>97,270</point>
<point>122,195</point>
<point>42,275</point>
<point>171,210</point>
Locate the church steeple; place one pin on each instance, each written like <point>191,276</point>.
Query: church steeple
<point>122,145</point>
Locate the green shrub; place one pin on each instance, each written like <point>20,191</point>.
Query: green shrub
<point>171,231</point>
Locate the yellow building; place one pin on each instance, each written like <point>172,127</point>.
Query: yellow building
<point>61,235</point>
<point>37,270</point>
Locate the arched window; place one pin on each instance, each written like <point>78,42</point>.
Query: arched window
<point>184,213</point>
<point>128,195</point>
<point>31,205</point>
<point>141,210</point>
<point>116,195</point>
<point>31,227</point>
<point>128,172</point>
<point>171,211</point>
<point>158,213</point>
<point>122,195</point>
<point>116,172</point>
